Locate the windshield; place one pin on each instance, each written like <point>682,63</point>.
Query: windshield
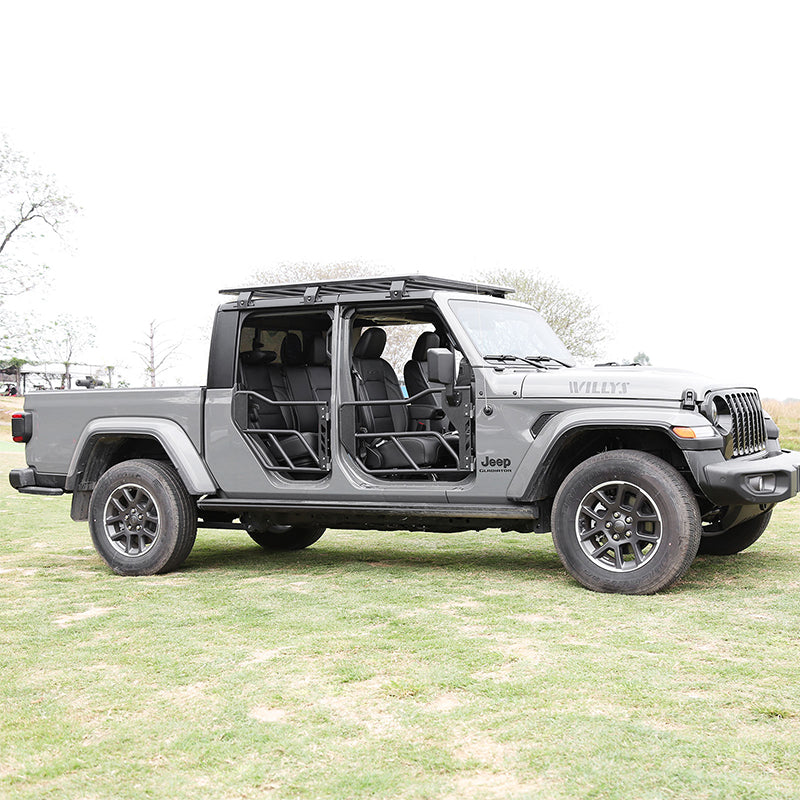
<point>497,329</point>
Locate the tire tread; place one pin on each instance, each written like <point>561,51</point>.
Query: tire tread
<point>158,473</point>
<point>670,483</point>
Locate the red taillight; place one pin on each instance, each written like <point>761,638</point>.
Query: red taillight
<point>21,429</point>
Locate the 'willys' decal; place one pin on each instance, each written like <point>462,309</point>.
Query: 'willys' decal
<point>599,387</point>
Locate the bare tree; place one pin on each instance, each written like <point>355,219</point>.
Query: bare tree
<point>31,205</point>
<point>574,318</point>
<point>156,352</point>
<point>60,341</point>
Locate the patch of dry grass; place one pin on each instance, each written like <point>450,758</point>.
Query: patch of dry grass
<point>8,405</point>
<point>787,418</point>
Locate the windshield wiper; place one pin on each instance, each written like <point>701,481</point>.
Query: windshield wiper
<point>535,361</point>
<point>505,358</point>
<point>524,359</point>
<point>545,359</point>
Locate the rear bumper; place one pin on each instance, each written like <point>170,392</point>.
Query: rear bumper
<point>28,481</point>
<point>759,479</point>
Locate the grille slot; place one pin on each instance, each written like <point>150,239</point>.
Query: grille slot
<point>748,432</point>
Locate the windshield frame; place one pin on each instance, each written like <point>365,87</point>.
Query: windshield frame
<point>553,347</point>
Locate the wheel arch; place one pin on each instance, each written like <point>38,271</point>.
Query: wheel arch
<point>106,442</point>
<point>547,463</point>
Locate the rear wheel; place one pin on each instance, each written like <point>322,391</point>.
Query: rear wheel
<point>141,518</point>
<point>737,538</point>
<point>626,522</point>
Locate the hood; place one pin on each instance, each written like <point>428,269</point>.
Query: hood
<point>630,383</point>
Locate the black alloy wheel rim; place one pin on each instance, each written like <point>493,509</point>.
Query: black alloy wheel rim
<point>131,520</point>
<point>618,526</point>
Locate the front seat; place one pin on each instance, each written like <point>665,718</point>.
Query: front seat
<point>376,381</point>
<point>416,377</point>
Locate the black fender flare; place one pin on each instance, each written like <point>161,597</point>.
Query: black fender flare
<point>543,453</point>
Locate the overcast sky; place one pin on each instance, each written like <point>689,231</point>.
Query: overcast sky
<point>645,154</point>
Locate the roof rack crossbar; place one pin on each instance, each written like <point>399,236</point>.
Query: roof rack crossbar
<point>392,287</point>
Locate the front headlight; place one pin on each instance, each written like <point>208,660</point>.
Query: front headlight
<point>717,410</point>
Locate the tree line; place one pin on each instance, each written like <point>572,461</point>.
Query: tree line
<point>33,206</point>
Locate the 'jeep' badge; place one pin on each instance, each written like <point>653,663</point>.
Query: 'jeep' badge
<point>490,464</point>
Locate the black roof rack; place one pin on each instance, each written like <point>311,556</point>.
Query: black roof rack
<point>394,287</point>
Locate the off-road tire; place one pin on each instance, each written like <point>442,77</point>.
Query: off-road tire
<point>283,538</point>
<point>737,538</point>
<point>142,519</point>
<point>626,522</point>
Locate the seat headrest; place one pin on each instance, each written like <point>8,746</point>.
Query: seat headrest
<point>257,357</point>
<point>424,343</point>
<point>292,351</point>
<point>371,344</point>
<point>319,353</point>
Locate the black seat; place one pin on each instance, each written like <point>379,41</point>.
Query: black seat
<point>307,381</point>
<point>253,366</point>
<point>319,369</point>
<point>415,373</point>
<point>261,375</point>
<point>376,381</point>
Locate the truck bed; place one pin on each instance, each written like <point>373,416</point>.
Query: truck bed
<point>59,418</point>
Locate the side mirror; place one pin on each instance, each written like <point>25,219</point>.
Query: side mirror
<point>442,366</point>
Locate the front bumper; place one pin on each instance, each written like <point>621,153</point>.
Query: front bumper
<point>759,479</point>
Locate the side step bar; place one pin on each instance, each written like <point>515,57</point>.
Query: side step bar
<point>389,509</point>
<point>382,516</point>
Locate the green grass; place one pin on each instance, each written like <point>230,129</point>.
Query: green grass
<point>377,665</point>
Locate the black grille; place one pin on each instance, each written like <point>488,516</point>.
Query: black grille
<point>748,432</point>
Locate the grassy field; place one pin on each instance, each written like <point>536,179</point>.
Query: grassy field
<point>378,665</point>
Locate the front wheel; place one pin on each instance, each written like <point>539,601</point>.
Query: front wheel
<point>141,518</point>
<point>626,522</point>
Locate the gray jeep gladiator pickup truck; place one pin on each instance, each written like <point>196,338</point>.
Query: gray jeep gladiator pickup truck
<point>303,425</point>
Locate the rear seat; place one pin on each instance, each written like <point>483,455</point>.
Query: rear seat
<point>260,375</point>
<point>283,383</point>
<point>319,368</point>
<point>306,381</point>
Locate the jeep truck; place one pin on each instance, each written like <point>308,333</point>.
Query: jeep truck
<point>304,425</point>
